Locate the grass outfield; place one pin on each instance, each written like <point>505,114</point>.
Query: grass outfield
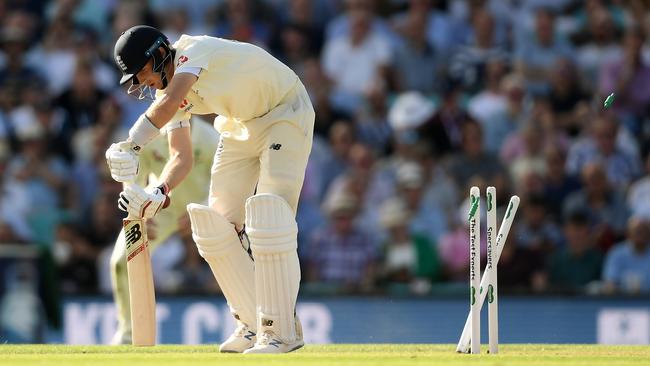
<point>311,355</point>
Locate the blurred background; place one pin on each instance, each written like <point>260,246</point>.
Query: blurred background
<point>416,101</point>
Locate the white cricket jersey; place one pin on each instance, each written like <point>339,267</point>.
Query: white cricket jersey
<point>195,187</point>
<point>238,81</point>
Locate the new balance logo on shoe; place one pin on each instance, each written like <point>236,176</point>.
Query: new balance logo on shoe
<point>250,335</point>
<point>275,146</point>
<point>275,343</point>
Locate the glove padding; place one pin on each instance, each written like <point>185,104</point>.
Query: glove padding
<point>123,161</point>
<point>137,202</point>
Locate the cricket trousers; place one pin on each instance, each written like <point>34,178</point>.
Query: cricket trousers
<point>272,160</point>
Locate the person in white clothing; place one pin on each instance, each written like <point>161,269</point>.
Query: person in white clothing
<point>194,188</point>
<point>266,122</point>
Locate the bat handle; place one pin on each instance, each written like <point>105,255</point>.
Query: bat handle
<point>129,216</point>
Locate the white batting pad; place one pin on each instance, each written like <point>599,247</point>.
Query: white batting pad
<point>273,231</point>
<point>219,245</point>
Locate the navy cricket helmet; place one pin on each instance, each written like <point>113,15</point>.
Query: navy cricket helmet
<point>136,46</point>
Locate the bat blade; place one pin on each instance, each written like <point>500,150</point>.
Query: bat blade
<point>141,289</point>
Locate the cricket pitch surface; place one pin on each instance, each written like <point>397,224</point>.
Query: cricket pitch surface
<point>340,354</point>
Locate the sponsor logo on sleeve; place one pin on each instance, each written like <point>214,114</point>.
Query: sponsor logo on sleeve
<point>181,60</point>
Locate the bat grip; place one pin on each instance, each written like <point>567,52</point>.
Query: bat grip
<point>129,216</point>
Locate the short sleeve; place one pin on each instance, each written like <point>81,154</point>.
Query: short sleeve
<point>195,54</point>
<point>189,69</point>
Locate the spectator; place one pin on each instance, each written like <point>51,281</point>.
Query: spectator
<point>42,176</point>
<point>242,20</point>
<point>14,42</point>
<point>443,130</point>
<point>176,22</point>
<point>638,197</point>
<point>463,12</point>
<point>579,263</point>
<point>627,265</point>
<point>105,221</point>
<point>55,58</point>
<point>364,181</point>
<point>372,127</point>
<point>127,14</point>
<point>342,25</point>
<point>336,162</point>
<point>469,62</point>
<point>408,112</point>
<point>558,184</point>
<point>437,27</point>
<point>567,99</point>
<point>453,247</point>
<point>15,205</point>
<point>439,189</point>
<point>542,119</point>
<point>598,45</point>
<point>357,61</point>
<point>629,78</point>
<point>294,46</point>
<point>75,258</point>
<point>492,100</point>
<point>622,167</point>
<point>89,146</point>
<point>319,88</point>
<point>417,64</point>
<point>410,118</point>
<point>506,119</point>
<point>535,231</point>
<point>473,161</point>
<point>306,17</point>
<point>340,254</point>
<point>81,100</point>
<point>53,120</point>
<point>426,217</point>
<point>410,258</point>
<point>89,50</point>
<point>530,160</point>
<point>605,205</point>
<point>521,269</point>
<point>535,54</point>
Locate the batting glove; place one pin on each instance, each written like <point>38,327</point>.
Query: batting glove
<point>123,161</point>
<point>140,203</point>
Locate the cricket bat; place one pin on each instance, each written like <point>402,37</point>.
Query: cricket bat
<point>141,290</point>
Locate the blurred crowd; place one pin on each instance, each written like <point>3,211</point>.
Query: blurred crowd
<point>416,101</point>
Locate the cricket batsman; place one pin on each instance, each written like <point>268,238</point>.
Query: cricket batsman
<point>265,120</point>
<point>194,188</point>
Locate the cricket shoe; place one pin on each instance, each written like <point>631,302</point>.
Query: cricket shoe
<point>242,339</point>
<point>268,342</point>
<point>120,338</point>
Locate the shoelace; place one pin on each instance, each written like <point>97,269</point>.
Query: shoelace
<point>265,338</point>
<point>241,330</point>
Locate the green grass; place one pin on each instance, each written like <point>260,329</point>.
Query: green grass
<point>311,355</point>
